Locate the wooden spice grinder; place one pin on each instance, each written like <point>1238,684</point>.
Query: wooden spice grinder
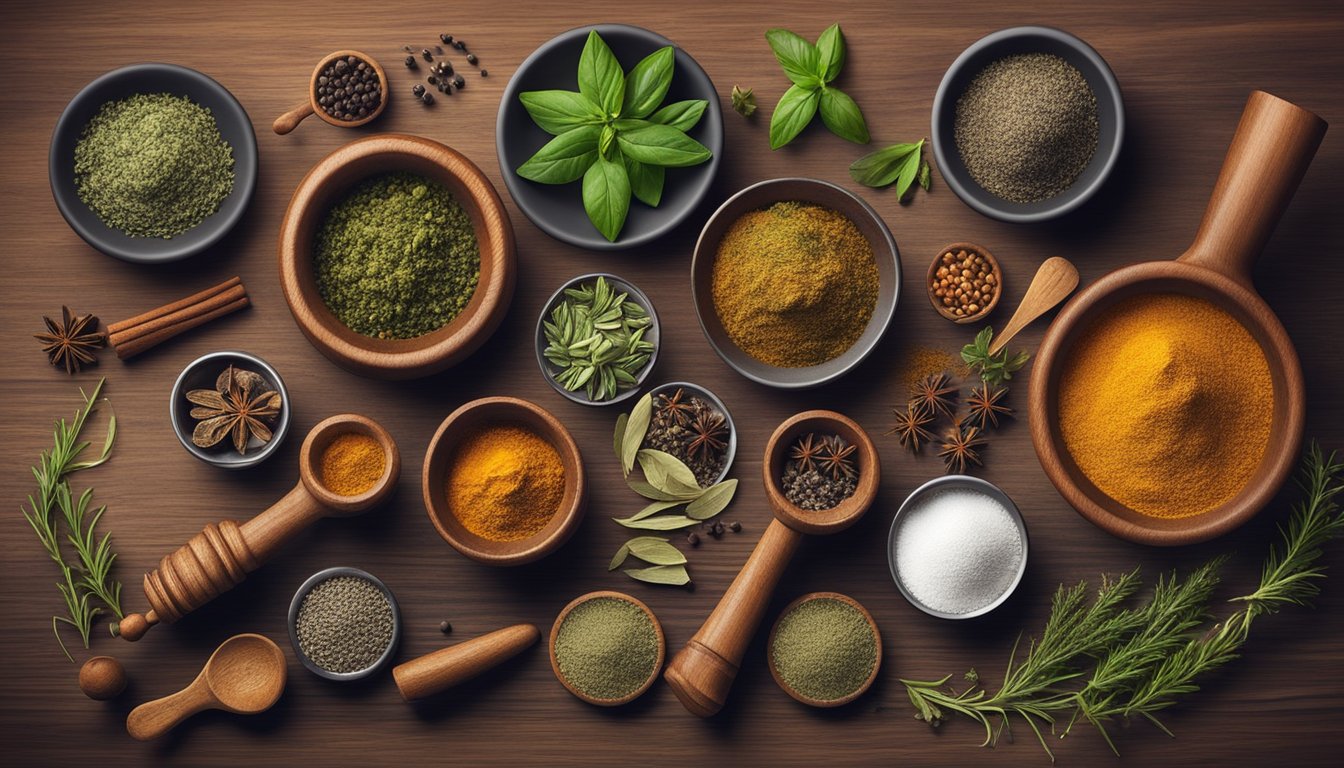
<point>220,557</point>
<point>1273,145</point>
<point>702,673</point>
<point>291,119</point>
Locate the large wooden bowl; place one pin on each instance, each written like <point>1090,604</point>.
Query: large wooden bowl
<point>324,186</point>
<point>798,695</point>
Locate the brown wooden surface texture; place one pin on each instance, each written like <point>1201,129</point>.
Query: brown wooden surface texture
<point>1185,67</point>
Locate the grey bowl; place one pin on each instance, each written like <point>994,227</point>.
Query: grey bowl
<point>558,209</point>
<point>1008,42</point>
<point>653,335</point>
<point>729,452</point>
<point>943,483</point>
<point>234,125</point>
<point>761,195</point>
<point>302,592</point>
<point>201,373</point>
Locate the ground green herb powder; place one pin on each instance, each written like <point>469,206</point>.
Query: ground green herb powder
<point>397,258</point>
<point>153,165</point>
<point>607,647</point>
<point>824,649</point>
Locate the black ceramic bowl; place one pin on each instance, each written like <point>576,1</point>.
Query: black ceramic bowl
<point>202,373</point>
<point>558,208</point>
<point>1009,42</point>
<point>234,126</point>
<point>302,592</point>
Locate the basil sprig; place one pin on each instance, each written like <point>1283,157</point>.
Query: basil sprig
<point>811,69</point>
<point>614,133</point>
<point>899,164</point>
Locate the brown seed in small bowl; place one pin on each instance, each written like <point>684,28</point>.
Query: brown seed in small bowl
<point>964,282</point>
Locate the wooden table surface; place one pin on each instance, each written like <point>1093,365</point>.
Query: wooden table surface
<point>1185,67</point>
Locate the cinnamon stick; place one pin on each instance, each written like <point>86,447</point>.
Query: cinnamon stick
<point>137,334</point>
<point>173,307</point>
<point>117,338</point>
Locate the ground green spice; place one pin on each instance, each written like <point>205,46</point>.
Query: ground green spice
<point>824,649</point>
<point>397,258</point>
<point>153,165</point>
<point>345,624</point>
<point>607,647</point>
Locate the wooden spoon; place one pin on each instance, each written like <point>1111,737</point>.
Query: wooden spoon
<point>245,675</point>
<point>1054,281</point>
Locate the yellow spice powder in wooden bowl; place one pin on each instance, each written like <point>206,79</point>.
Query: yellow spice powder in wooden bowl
<point>505,483</point>
<point>352,463</point>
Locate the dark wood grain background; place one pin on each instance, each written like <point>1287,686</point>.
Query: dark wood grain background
<point>1185,67</point>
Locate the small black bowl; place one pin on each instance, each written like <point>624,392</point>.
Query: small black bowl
<point>234,125</point>
<point>302,592</point>
<point>558,208</point>
<point>201,373</point>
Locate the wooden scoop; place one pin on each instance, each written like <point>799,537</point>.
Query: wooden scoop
<point>291,119</point>
<point>245,675</point>
<point>702,673</point>
<point>220,557</point>
<point>1055,279</point>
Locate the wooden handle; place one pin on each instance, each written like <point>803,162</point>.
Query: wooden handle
<point>269,531</point>
<point>438,671</point>
<point>1274,143</point>
<point>155,718</point>
<point>1055,279</point>
<point>291,119</point>
<point>702,673</point>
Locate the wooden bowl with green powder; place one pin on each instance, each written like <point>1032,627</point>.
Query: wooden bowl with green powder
<point>397,257</point>
<point>825,649</point>
<point>607,648</point>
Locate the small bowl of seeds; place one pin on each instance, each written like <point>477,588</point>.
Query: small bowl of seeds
<point>965,282</point>
<point>597,339</point>
<point>347,89</point>
<point>344,624</point>
<point>607,648</point>
<point>825,649</point>
<point>692,424</point>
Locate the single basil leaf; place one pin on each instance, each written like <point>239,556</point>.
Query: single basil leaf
<point>672,575</point>
<point>629,123</point>
<point>606,196</point>
<point>714,500</point>
<point>883,167</point>
<point>799,58</point>
<point>842,115</point>
<point>645,489</point>
<point>654,508</point>
<point>559,111</point>
<point>660,523</point>
<point>646,181</point>
<point>662,145</point>
<point>564,158</point>
<point>682,115</point>
<point>635,429</point>
<point>792,114</point>
<point>619,557</point>
<point>646,85</point>
<point>831,52</point>
<point>909,170</point>
<point>652,549</point>
<point>667,472</point>
<point>600,75</point>
<point>621,421</point>
<point>604,142</point>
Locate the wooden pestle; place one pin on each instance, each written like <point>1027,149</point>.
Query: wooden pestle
<point>438,671</point>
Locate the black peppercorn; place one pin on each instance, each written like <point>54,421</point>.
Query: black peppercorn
<point>484,73</point>
<point>426,54</point>
<point>471,58</point>
<point>717,529</point>
<point>410,62</point>
<point>446,38</point>
<point>459,81</point>
<point>418,90</point>
<point>460,45</point>
<point>428,98</point>
<point>693,539</point>
<point>445,627</point>
<point>735,527</point>
<point>432,80</point>
<point>349,88</point>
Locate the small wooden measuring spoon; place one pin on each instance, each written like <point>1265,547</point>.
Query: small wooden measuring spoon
<point>245,675</point>
<point>1055,279</point>
<point>291,119</point>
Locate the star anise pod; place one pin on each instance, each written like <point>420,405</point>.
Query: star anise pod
<point>230,409</point>
<point>676,407</point>
<point>959,448</point>
<point>709,434</point>
<point>982,405</point>
<point>834,458</point>
<point>804,452</point>
<point>933,394</point>
<point>911,427</point>
<point>73,342</point>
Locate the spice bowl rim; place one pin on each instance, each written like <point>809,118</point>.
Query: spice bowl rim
<point>730,452</point>
<point>657,628</point>
<point>331,58</point>
<point>957,481</point>
<point>654,336</point>
<point>994,269</point>
<point>851,509</point>
<point>293,623</point>
<point>877,642</point>
<point>179,412</point>
<point>1006,42</point>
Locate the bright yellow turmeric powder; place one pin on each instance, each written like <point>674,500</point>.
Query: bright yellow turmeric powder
<point>352,464</point>
<point>505,483</point>
<point>1165,404</point>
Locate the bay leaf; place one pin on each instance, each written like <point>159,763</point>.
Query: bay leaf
<point>659,523</point>
<point>674,575</point>
<point>619,438</point>
<point>654,508</point>
<point>653,549</point>
<point>636,426</point>
<point>713,501</point>
<point>619,557</point>
<point>667,473</point>
<point>643,488</point>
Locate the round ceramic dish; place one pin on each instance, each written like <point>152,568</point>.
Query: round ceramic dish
<point>695,390</point>
<point>202,373</point>
<point>234,126</point>
<point>808,700</point>
<point>1009,42</point>
<point>657,665</point>
<point>558,208</point>
<point>302,592</point>
<point>762,195</point>
<point>943,483</point>
<point>653,335</point>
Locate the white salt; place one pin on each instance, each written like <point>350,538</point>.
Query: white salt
<point>958,550</point>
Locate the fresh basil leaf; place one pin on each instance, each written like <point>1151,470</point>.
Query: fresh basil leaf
<point>672,575</point>
<point>558,111</point>
<point>799,58</point>
<point>604,142</point>
<point>662,145</point>
<point>564,158</point>
<point>600,75</point>
<point>792,114</point>
<point>636,427</point>
<point>831,52</point>
<point>842,116</point>
<point>660,523</point>
<point>883,167</point>
<point>646,181</point>
<point>646,85</point>
<point>714,500</point>
<point>656,550</point>
<point>682,115</point>
<point>606,196</point>
<point>630,123</point>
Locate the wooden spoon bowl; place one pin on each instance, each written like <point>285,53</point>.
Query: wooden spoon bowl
<point>847,512</point>
<point>808,700</point>
<point>310,464</point>
<point>657,665</point>
<point>291,119</point>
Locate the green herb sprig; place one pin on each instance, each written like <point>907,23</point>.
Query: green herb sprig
<point>899,164</point>
<point>613,134</point>
<point>812,69</point>
<point>596,340</point>
<point>993,369</point>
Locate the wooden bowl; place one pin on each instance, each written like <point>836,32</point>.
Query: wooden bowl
<point>994,268</point>
<point>492,411</point>
<point>847,512</point>
<point>291,119</point>
<point>310,464</point>
<point>326,184</point>
<point>808,700</point>
<point>657,665</point>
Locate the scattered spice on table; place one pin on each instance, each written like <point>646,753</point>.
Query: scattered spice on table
<point>242,407</point>
<point>607,648</point>
<point>1166,403</point>
<point>352,464</point>
<point>921,361</point>
<point>397,258</point>
<point>73,342</point>
<point>964,283</point>
<point>349,89</point>
<point>504,483</point>
<point>345,624</point>
<point>597,340</point>
<point>794,284</point>
<point>820,472</point>
<point>153,165</point>
<point>692,430</point>
<point>824,649</point>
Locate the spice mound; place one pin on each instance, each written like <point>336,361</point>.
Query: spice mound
<point>1165,404</point>
<point>397,258</point>
<point>352,463</point>
<point>241,407</point>
<point>345,624</point>
<point>153,165</point>
<point>349,89</point>
<point>692,430</point>
<point>794,284</point>
<point>607,648</point>
<point>824,649</point>
<point>505,483</point>
<point>820,472</point>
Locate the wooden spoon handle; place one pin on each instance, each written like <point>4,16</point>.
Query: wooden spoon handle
<point>447,667</point>
<point>291,119</point>
<point>1055,279</point>
<point>155,718</point>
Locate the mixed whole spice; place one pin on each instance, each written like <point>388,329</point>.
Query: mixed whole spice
<point>820,472</point>
<point>241,408</point>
